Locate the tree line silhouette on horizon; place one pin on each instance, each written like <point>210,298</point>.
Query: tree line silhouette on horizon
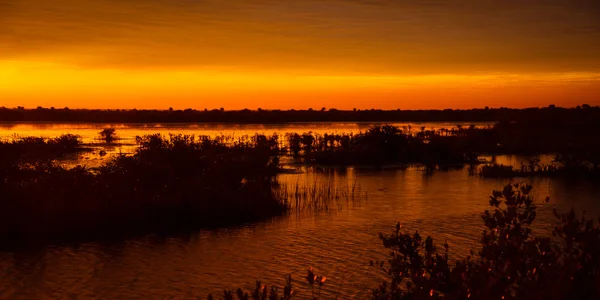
<point>534,114</point>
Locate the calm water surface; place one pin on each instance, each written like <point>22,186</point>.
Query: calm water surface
<point>338,242</point>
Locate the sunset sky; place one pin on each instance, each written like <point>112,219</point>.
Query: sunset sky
<point>285,54</point>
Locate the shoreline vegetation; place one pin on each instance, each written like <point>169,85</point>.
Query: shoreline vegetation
<point>511,263</point>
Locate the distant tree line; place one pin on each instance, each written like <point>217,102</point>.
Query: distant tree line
<point>550,113</point>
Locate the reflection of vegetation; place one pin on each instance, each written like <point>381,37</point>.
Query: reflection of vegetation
<point>512,262</point>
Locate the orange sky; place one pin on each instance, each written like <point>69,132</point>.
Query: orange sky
<point>299,53</point>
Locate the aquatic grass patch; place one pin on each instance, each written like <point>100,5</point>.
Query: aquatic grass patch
<point>319,195</point>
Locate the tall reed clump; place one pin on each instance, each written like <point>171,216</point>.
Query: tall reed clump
<point>167,184</point>
<point>319,195</point>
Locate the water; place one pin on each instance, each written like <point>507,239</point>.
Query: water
<point>338,242</point>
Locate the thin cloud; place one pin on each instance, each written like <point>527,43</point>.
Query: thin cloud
<point>361,36</point>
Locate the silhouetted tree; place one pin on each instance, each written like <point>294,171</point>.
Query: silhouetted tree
<point>108,134</point>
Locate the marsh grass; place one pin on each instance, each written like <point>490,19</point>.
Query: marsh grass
<point>168,184</point>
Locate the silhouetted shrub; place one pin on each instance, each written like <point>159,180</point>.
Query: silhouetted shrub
<point>512,263</point>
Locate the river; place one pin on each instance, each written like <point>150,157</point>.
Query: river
<point>338,242</point>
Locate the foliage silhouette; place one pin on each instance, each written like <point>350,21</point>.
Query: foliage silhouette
<point>108,135</point>
<point>513,263</point>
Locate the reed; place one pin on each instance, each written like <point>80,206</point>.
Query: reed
<point>319,195</point>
